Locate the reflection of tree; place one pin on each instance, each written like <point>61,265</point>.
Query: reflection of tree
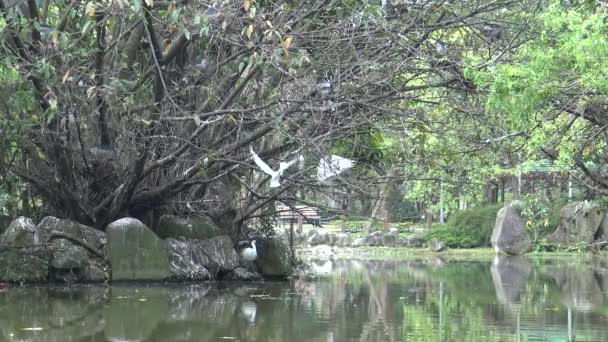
<point>361,301</point>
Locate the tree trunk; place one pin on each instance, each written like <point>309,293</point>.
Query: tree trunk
<point>429,219</point>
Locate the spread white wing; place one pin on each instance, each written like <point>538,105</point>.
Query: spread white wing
<point>261,164</point>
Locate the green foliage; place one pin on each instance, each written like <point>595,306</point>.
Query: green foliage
<point>468,228</point>
<point>355,226</point>
<point>540,217</point>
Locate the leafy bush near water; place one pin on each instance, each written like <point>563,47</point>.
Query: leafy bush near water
<point>473,227</point>
<point>468,228</point>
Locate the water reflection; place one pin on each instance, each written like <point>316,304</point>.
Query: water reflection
<point>508,299</point>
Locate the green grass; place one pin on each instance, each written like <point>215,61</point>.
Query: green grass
<point>480,254</point>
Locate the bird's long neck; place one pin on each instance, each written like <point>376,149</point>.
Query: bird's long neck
<point>253,245</point>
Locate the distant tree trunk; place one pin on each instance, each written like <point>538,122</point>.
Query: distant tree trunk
<point>429,219</point>
<point>375,213</point>
<point>502,190</point>
<point>441,210</point>
<point>516,181</point>
<point>384,204</point>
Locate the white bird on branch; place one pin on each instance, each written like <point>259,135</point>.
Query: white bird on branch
<point>275,176</point>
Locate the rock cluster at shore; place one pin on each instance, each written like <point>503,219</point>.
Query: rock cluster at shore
<point>64,251</point>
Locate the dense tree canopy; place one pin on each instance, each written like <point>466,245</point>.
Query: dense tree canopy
<point>143,108</point>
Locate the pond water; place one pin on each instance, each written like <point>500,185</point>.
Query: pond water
<point>508,299</point>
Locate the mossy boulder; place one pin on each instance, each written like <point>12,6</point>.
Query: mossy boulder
<point>273,258</point>
<point>90,235</point>
<point>5,220</point>
<point>136,253</point>
<point>24,265</point>
<point>197,228</point>
<point>20,233</point>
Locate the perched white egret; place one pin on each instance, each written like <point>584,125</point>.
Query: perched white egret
<point>275,176</point>
<point>332,166</point>
<point>247,250</point>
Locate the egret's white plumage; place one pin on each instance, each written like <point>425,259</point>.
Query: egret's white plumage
<point>249,253</point>
<point>275,176</point>
<point>332,166</point>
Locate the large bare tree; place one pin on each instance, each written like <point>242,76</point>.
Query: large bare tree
<point>143,108</point>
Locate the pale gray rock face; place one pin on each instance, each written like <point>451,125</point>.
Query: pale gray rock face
<point>358,242</point>
<point>186,260</point>
<point>218,254</point>
<point>344,240</point>
<point>509,235</point>
<point>375,239</point>
<point>318,239</point>
<point>437,245</point>
<point>579,222</point>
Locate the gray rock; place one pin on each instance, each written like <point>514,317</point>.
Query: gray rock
<point>136,253</point>
<point>241,273</point>
<point>509,235</point>
<point>5,221</point>
<point>415,242</point>
<point>87,234</point>
<point>273,258</point>
<point>393,231</point>
<point>71,261</point>
<point>344,240</point>
<point>95,274</point>
<point>390,240</point>
<point>358,242</point>
<point>20,233</point>
<point>311,232</point>
<point>186,260</point>
<point>579,222</point>
<point>437,245</point>
<point>199,228</point>
<point>401,242</point>
<point>68,256</point>
<point>318,239</point>
<point>331,239</point>
<point>24,265</point>
<point>602,230</point>
<point>217,254</point>
<point>375,239</point>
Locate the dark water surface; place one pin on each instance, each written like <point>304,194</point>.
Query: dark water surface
<point>510,299</point>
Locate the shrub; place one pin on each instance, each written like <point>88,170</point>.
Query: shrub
<point>468,228</point>
<point>541,217</point>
